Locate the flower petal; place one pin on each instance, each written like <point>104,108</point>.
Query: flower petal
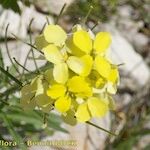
<point>52,54</point>
<point>60,73</point>
<point>82,40</point>
<point>113,75</point>
<point>97,107</point>
<point>111,88</point>
<point>69,118</point>
<point>27,102</point>
<point>82,113</point>
<point>40,86</point>
<point>71,48</point>
<point>56,91</point>
<point>78,85</point>
<point>88,62</point>
<point>27,97</point>
<point>82,65</point>
<point>102,66</point>
<point>54,34</point>
<point>40,42</point>
<point>43,100</point>
<point>102,42</point>
<point>75,64</point>
<point>63,104</point>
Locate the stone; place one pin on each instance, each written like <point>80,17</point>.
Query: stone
<point>53,6</point>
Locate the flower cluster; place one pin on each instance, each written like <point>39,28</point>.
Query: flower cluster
<point>81,80</point>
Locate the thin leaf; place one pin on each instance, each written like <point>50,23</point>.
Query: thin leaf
<point>10,76</point>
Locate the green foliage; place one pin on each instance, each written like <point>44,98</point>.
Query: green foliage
<point>11,4</point>
<point>16,122</point>
<point>102,9</point>
<point>133,130</point>
<point>11,130</point>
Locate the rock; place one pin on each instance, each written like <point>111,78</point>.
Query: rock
<point>130,28</point>
<point>86,137</point>
<point>53,6</point>
<point>21,23</point>
<point>20,50</point>
<point>143,142</point>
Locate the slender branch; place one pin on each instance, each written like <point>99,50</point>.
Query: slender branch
<point>17,38</point>
<point>10,90</point>
<point>43,28</point>
<point>1,59</point>
<point>94,26</point>
<point>98,127</point>
<point>61,11</point>
<point>11,76</point>
<point>25,62</point>
<point>22,65</point>
<point>4,102</point>
<point>31,47</point>
<point>86,17</point>
<point>7,49</point>
<point>120,64</point>
<point>45,119</point>
<point>47,20</point>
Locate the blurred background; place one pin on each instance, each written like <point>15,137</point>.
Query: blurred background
<point>129,23</point>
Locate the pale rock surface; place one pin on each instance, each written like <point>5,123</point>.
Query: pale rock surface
<point>53,6</point>
<point>87,137</point>
<point>129,28</point>
<point>18,24</point>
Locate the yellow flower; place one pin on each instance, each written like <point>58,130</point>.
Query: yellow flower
<point>80,43</point>
<point>102,42</point>
<point>62,62</point>
<point>54,34</point>
<point>93,107</point>
<point>62,101</point>
<point>80,83</point>
<point>79,87</point>
<point>109,72</point>
<point>56,91</point>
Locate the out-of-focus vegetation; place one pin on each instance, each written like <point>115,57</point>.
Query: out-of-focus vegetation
<point>135,116</point>
<point>13,4</point>
<point>17,124</point>
<point>103,10</point>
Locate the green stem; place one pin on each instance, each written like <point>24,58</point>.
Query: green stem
<point>94,26</point>
<point>22,66</point>
<point>121,64</point>
<point>61,11</point>
<point>17,38</point>
<point>98,127</point>
<point>11,76</point>
<point>30,36</point>
<point>43,28</point>
<point>86,17</point>
<point>7,50</point>
<point>47,20</point>
<point>25,62</point>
